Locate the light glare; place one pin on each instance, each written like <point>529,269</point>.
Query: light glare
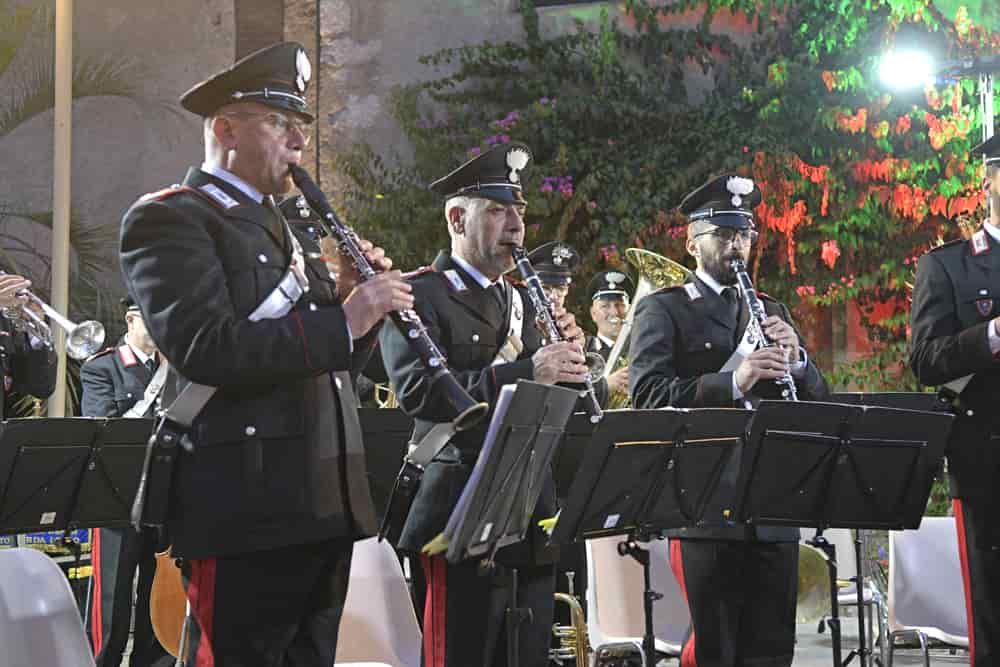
<point>906,69</point>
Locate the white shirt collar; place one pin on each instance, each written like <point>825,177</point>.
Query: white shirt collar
<point>235,181</point>
<point>992,231</point>
<point>473,272</point>
<point>607,342</point>
<point>139,354</point>
<point>710,281</point>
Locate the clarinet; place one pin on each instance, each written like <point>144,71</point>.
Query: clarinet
<point>468,410</point>
<point>757,316</point>
<point>546,317</point>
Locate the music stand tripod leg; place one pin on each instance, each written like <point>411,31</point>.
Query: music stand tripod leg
<point>631,548</point>
<point>833,622</point>
<point>514,617</point>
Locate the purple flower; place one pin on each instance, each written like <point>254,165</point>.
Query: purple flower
<point>543,101</point>
<point>492,140</point>
<point>546,186</point>
<point>504,139</point>
<point>592,204</point>
<point>475,151</point>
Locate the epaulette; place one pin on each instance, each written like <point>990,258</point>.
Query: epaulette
<point>948,245</point>
<point>166,193</point>
<point>418,272</point>
<point>664,290</point>
<point>210,193</point>
<point>100,353</point>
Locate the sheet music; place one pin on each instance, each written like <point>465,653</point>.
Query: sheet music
<point>461,507</point>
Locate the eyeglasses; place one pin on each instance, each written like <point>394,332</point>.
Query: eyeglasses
<point>280,122</point>
<point>728,235</point>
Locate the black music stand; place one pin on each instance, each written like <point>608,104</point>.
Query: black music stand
<point>64,474</point>
<point>829,465</point>
<point>650,471</point>
<point>498,502</point>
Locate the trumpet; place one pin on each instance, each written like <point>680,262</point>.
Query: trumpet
<point>82,340</point>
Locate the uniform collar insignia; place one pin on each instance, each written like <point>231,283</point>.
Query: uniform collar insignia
<point>219,195</point>
<point>127,356</point>
<point>456,280</point>
<point>692,291</point>
<point>980,242</point>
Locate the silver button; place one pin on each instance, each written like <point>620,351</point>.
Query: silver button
<point>250,430</point>
<point>708,346</point>
<point>475,338</point>
<point>313,307</point>
<point>263,258</point>
<point>128,395</point>
<point>983,292</point>
<point>969,413</point>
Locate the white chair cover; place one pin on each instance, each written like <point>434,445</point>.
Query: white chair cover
<point>925,582</point>
<point>614,597</point>
<point>379,626</point>
<point>39,620</point>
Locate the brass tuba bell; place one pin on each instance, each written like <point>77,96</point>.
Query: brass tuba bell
<point>655,272</point>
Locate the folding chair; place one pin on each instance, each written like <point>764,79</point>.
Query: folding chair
<point>40,623</point>
<point>925,586</point>
<point>615,620</point>
<point>379,627</point>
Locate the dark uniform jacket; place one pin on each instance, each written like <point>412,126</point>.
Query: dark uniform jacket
<point>24,370</point>
<point>955,297</point>
<point>681,337</point>
<point>469,328</point>
<point>594,344</point>
<point>113,380</point>
<point>278,458</point>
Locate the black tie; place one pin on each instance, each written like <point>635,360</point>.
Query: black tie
<point>151,365</point>
<point>496,289</point>
<point>732,297</point>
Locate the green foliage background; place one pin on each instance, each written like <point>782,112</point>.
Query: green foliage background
<point>640,110</point>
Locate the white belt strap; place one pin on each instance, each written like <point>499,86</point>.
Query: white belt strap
<point>153,390</point>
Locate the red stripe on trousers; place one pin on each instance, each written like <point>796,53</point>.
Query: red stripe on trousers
<point>96,620</point>
<point>677,565</point>
<point>966,581</point>
<point>435,607</point>
<point>201,595</point>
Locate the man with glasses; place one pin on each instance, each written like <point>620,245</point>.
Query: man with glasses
<point>265,508</point>
<point>689,350</point>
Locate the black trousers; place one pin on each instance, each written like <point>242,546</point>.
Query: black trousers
<point>981,576</point>
<point>118,554</point>
<point>741,596</point>
<point>274,608</point>
<point>464,613</point>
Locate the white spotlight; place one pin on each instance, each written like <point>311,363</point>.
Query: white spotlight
<point>908,68</point>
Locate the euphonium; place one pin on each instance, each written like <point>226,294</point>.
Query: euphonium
<point>655,272</point>
<point>574,642</point>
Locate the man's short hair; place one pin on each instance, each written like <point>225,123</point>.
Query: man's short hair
<point>472,205</point>
<point>697,227</point>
